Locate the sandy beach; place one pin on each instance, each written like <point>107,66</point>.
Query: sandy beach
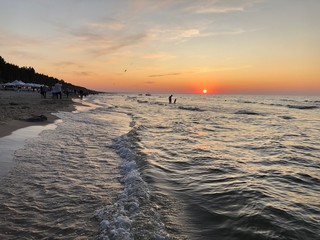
<point>23,109</point>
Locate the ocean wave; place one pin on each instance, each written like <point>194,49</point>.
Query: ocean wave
<point>286,117</point>
<point>312,101</point>
<point>142,101</point>
<point>195,109</point>
<point>159,103</point>
<point>247,112</point>
<point>302,107</point>
<point>312,180</point>
<point>276,104</point>
<point>246,101</point>
<point>287,100</point>
<point>133,215</point>
<point>130,98</point>
<point>305,148</point>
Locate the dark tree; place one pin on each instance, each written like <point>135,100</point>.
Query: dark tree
<point>10,72</point>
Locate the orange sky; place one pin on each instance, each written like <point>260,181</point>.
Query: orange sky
<point>178,46</point>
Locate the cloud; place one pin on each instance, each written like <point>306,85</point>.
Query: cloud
<point>236,31</point>
<point>108,24</point>
<point>82,73</point>
<point>68,64</point>
<point>164,75</point>
<point>14,40</point>
<point>98,41</point>
<point>173,34</point>
<point>221,6</point>
<point>219,10</point>
<point>111,44</point>
<point>19,45</point>
<point>197,7</point>
<point>130,29</point>
<point>182,35</point>
<point>188,33</point>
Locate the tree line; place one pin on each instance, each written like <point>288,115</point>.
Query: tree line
<point>10,72</point>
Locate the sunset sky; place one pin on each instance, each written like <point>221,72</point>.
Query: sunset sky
<point>177,46</point>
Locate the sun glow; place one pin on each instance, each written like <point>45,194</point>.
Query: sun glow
<point>204,91</point>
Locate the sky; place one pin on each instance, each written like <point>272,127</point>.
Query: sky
<point>168,46</point>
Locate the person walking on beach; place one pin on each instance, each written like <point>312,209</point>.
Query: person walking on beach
<point>170,99</point>
<point>43,91</point>
<point>53,91</point>
<point>67,92</point>
<point>57,90</point>
<point>81,94</point>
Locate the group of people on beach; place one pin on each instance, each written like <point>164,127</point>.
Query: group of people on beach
<point>56,91</point>
<point>170,99</point>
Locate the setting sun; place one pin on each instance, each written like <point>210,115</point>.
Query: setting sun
<point>204,90</point>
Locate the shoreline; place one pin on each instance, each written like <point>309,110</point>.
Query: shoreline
<point>23,109</point>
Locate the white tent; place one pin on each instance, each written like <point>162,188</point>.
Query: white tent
<point>15,83</point>
<point>19,85</point>
<point>33,85</point>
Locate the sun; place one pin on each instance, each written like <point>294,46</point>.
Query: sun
<point>204,90</point>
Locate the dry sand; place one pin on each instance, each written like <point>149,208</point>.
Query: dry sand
<point>22,109</point>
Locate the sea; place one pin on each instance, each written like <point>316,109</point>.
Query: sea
<point>133,166</point>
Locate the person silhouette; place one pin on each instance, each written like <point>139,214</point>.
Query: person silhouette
<point>170,98</point>
<point>58,91</point>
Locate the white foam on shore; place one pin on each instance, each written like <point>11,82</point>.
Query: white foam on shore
<point>9,144</point>
<point>120,220</point>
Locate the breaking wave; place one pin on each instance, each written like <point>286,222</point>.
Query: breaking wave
<point>133,215</point>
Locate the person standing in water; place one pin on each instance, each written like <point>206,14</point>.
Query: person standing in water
<point>170,98</point>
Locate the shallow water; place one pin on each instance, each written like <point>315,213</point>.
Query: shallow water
<point>15,140</point>
<point>135,167</point>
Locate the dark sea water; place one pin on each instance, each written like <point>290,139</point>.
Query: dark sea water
<point>136,167</point>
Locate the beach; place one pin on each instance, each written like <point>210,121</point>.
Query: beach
<point>23,109</point>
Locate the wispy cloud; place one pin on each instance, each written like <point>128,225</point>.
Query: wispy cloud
<point>219,10</point>
<point>107,35</point>
<point>96,40</point>
<point>82,73</point>
<point>221,6</point>
<point>236,31</point>
<point>20,46</point>
<point>112,44</point>
<point>15,40</point>
<point>108,24</point>
<point>182,35</point>
<point>68,64</point>
<point>174,34</point>
<point>198,7</point>
<point>25,54</point>
<point>164,75</point>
